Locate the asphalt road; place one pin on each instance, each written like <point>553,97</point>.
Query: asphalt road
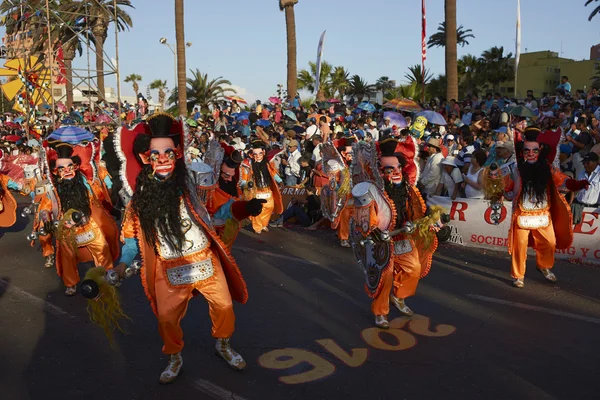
<point>307,331</point>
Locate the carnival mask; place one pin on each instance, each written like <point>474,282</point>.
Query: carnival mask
<point>531,152</point>
<point>227,173</point>
<point>161,157</point>
<point>418,128</point>
<point>65,169</point>
<point>258,155</point>
<point>391,170</point>
<point>347,154</point>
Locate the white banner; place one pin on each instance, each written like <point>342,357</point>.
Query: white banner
<point>319,60</point>
<point>472,227</point>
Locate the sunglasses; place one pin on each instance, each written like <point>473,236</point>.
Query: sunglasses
<point>528,150</point>
<point>68,168</point>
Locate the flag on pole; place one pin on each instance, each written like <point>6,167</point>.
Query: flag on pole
<point>518,49</point>
<point>319,59</point>
<point>423,46</point>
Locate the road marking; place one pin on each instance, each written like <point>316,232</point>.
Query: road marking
<point>215,391</point>
<point>536,308</point>
<point>52,309</point>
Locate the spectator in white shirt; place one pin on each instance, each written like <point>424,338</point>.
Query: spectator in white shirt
<point>317,142</point>
<point>312,129</point>
<point>292,166</point>
<point>590,197</point>
<point>432,173</point>
<point>451,178</point>
<point>373,131</point>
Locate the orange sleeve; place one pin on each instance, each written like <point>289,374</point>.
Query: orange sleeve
<point>128,225</point>
<point>558,177</point>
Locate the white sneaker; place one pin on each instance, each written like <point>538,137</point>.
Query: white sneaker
<point>381,322</point>
<point>224,350</point>
<point>70,291</point>
<point>344,243</point>
<point>549,275</point>
<point>173,369</point>
<point>401,306</point>
<point>519,283</point>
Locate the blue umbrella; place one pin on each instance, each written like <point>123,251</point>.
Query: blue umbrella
<point>368,107</point>
<point>71,135</point>
<point>32,143</point>
<point>67,121</point>
<point>263,122</point>
<point>396,119</point>
<point>241,115</point>
<point>290,115</point>
<point>432,117</point>
<point>19,120</point>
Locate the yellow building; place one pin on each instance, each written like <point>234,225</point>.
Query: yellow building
<point>541,71</point>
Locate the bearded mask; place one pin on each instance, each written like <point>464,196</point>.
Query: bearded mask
<point>258,155</point>
<point>531,152</point>
<point>391,169</point>
<point>65,169</point>
<point>162,157</point>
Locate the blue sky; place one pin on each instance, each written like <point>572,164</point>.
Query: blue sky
<point>244,41</point>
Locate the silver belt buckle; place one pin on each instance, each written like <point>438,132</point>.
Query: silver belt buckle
<point>85,237</point>
<point>263,195</point>
<point>190,273</point>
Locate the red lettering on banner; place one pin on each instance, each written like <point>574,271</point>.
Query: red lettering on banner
<point>460,210</point>
<point>584,251</point>
<point>597,254</point>
<point>488,213</point>
<point>489,240</point>
<point>579,227</point>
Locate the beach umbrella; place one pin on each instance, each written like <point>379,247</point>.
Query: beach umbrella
<point>521,111</point>
<point>191,122</point>
<point>290,115</point>
<point>365,105</point>
<point>13,138</point>
<point>275,100</point>
<point>403,105</point>
<point>71,134</point>
<point>103,119</point>
<point>333,101</point>
<point>32,143</point>
<point>18,120</point>
<point>236,98</point>
<point>396,119</point>
<point>432,117</point>
<point>263,122</point>
<point>241,115</point>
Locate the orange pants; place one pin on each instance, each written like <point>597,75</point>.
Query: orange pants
<point>47,247</point>
<point>403,278</point>
<point>262,221</point>
<point>172,303</point>
<point>544,244</point>
<point>66,262</point>
<point>343,231</point>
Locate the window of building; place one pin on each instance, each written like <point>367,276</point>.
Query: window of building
<point>510,90</point>
<point>56,92</point>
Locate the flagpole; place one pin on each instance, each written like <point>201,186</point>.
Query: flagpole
<point>518,45</point>
<point>423,49</point>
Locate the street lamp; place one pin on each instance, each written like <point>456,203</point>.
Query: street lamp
<point>163,40</point>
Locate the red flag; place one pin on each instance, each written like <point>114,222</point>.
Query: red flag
<point>60,60</point>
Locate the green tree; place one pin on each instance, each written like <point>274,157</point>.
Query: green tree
<point>438,39</point>
<point>416,76</point>
<point>340,81</point>
<point>134,79</point>
<point>161,86</point>
<point>497,67</point>
<point>437,87</point>
<point>595,11</point>
<point>469,73</point>
<point>307,79</point>
<point>360,88</point>
<point>203,91</point>
<point>290,28</point>
<point>384,85</point>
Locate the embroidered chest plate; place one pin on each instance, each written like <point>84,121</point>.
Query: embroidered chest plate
<point>402,247</point>
<point>195,238</point>
<point>85,237</point>
<point>528,203</point>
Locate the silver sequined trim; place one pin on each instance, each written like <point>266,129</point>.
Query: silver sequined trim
<point>190,273</point>
<point>402,247</point>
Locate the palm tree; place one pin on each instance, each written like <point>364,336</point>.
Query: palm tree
<point>384,85</point>
<point>416,76</point>
<point>469,72</point>
<point>496,66</point>
<point>437,86</point>
<point>438,39</point>
<point>202,91</point>
<point>102,14</point>
<point>307,79</point>
<point>451,52</point>
<point>359,88</point>
<point>161,86</point>
<point>290,27</point>
<point>181,68</point>
<point>596,10</point>
<point>134,78</point>
<point>340,81</point>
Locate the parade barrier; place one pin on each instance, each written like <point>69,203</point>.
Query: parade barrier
<point>472,226</point>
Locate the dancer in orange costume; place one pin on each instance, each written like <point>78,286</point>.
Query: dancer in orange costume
<point>8,205</point>
<point>86,232</point>
<point>393,239</point>
<point>344,147</point>
<point>170,228</point>
<point>541,217</point>
<point>259,179</point>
